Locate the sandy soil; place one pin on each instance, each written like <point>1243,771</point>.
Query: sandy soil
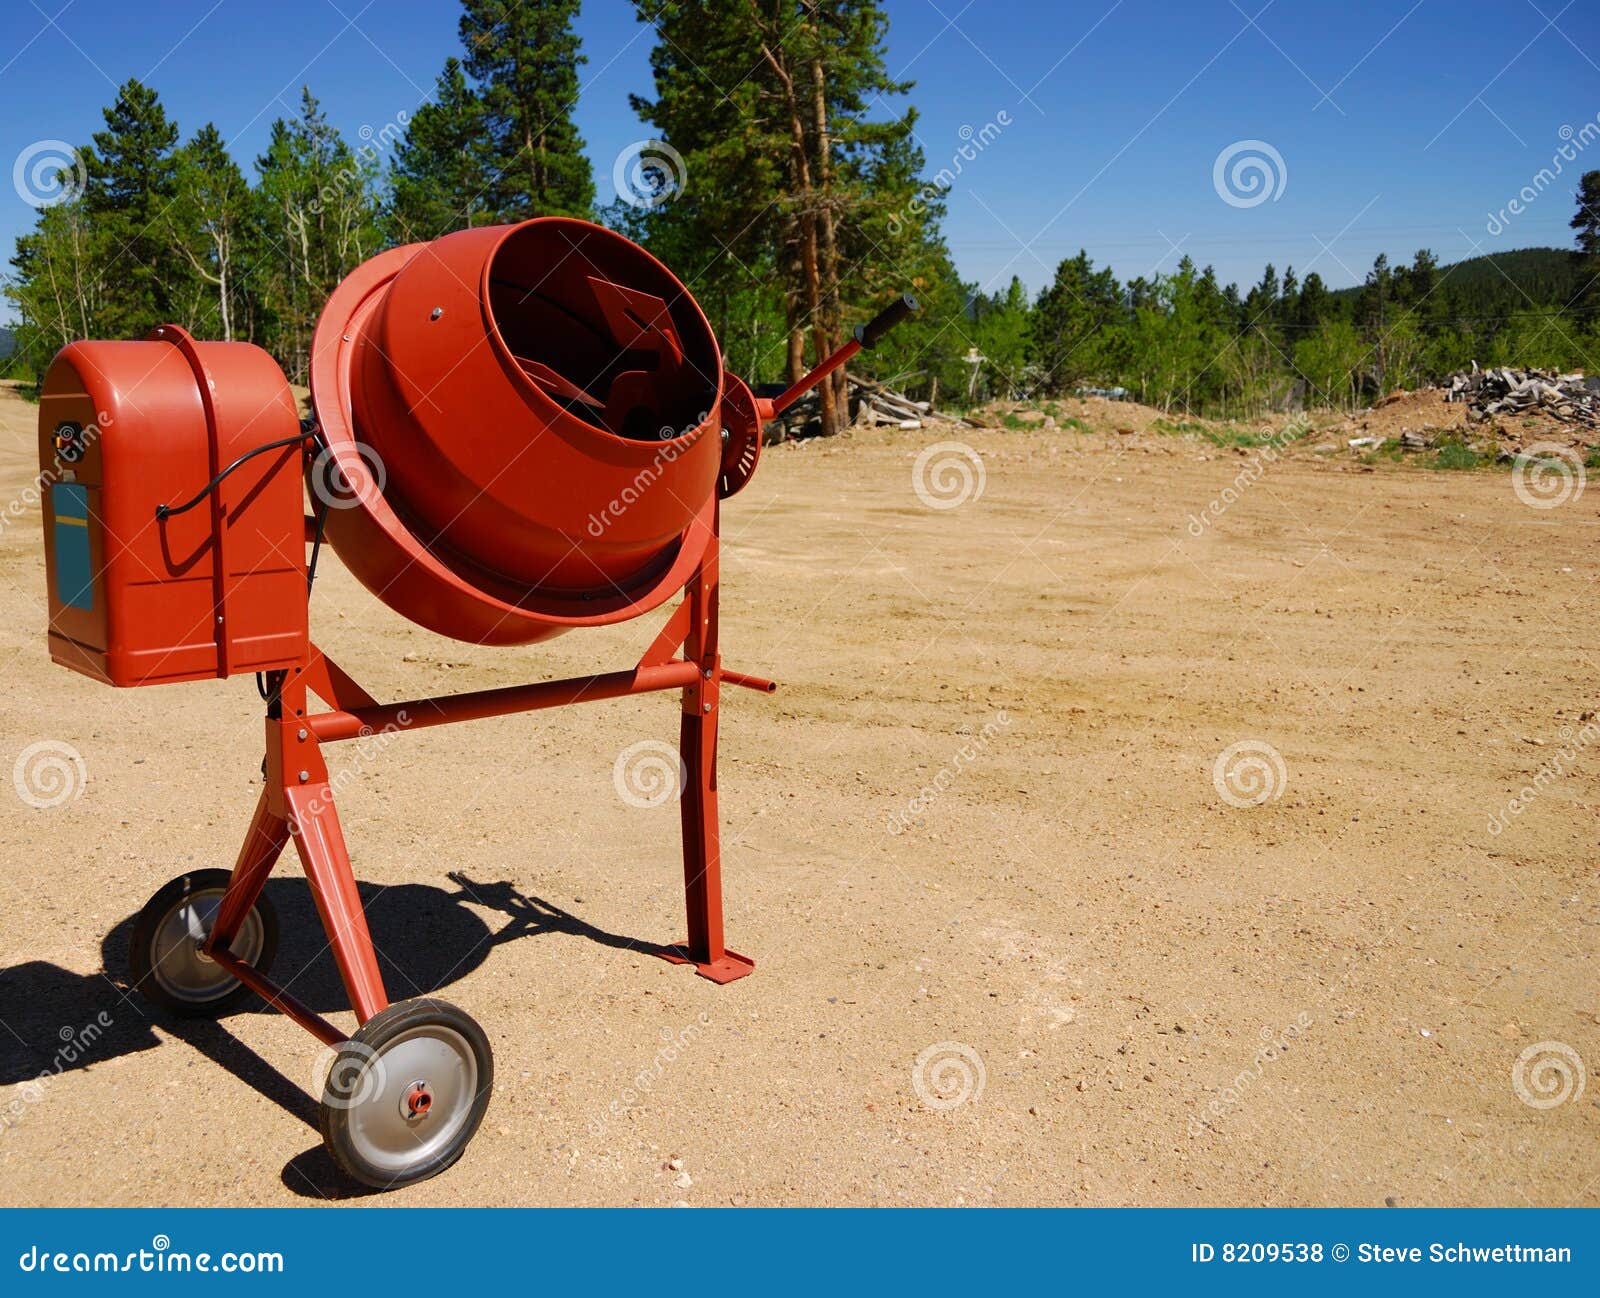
<point>980,824</point>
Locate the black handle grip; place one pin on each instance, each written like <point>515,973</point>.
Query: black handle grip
<point>869,334</point>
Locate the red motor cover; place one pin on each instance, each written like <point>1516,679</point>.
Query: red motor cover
<point>219,589</point>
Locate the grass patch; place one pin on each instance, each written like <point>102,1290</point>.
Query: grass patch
<point>1238,437</point>
<point>1016,422</point>
<point>1457,455</point>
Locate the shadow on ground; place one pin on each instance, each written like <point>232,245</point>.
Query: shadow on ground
<point>56,1021</point>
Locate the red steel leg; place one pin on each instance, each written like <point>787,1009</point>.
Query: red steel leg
<point>262,843</point>
<point>315,825</point>
<point>697,749</point>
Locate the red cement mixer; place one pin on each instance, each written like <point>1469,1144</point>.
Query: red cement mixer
<point>518,430</point>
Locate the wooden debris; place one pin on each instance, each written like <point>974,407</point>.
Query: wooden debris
<point>874,405</point>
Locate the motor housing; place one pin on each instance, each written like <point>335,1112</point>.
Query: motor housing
<point>128,427</point>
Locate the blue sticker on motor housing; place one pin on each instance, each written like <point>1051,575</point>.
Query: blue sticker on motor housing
<point>69,502</point>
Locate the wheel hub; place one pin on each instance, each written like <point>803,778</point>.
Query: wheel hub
<point>178,961</point>
<point>418,1100</point>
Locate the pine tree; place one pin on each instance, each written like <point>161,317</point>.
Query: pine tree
<point>441,172</point>
<point>768,105</point>
<point>132,184</point>
<point>525,58</point>
<point>1586,221</point>
<point>1070,322</point>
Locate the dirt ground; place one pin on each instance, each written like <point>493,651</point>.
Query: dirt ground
<point>1031,926</point>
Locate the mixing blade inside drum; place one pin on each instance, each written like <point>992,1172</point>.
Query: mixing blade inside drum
<point>598,335</point>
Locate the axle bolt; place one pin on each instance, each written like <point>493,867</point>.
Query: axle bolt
<point>419,1099</point>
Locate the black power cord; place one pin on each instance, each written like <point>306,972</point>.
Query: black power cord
<point>170,511</point>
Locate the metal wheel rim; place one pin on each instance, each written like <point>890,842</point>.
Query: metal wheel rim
<point>175,960</point>
<point>378,1132</point>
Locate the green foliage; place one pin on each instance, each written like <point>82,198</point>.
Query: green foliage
<point>132,182</point>
<point>441,169</point>
<point>320,218</point>
<point>525,57</point>
<point>805,203</point>
<point>1456,454</point>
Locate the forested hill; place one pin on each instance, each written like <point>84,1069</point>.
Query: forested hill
<point>1504,280</point>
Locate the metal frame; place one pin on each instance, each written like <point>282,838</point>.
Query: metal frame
<point>297,802</point>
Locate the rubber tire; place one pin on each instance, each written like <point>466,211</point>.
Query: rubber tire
<point>368,1041</point>
<point>141,959</point>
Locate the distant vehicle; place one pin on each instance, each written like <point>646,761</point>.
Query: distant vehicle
<point>1110,394</point>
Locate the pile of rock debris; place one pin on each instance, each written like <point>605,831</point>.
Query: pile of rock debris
<point>1501,390</point>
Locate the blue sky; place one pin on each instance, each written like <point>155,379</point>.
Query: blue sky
<point>1399,123</point>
